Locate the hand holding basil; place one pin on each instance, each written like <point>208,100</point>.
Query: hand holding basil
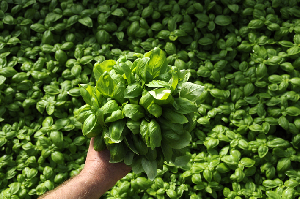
<point>134,107</point>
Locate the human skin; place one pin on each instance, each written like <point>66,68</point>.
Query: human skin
<point>97,177</point>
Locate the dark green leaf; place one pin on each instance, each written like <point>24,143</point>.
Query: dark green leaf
<point>174,117</point>
<point>86,21</point>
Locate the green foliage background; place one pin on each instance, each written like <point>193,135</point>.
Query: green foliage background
<point>245,54</point>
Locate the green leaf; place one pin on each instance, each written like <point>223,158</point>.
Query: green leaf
<point>3,140</point>
<point>158,84</point>
<point>229,159</point>
<point>140,146</point>
<point>99,144</point>
<point>115,131</point>
<point>177,140</point>
<point>150,168</point>
<point>205,41</point>
<point>247,162</point>
<point>103,37</point>
<point>255,24</point>
<point>245,47</point>
<point>211,26</point>
<point>288,193</point>
<point>110,107</point>
<point>144,131</point>
<point>134,126</point>
<point>275,79</point>
<point>14,187</point>
<point>283,122</point>
<point>2,79</point>
<point>52,17</point>
<point>291,183</point>
<point>86,21</point>
<point>116,115</point>
<point>117,152</point>
<point>278,142</point>
<point>234,7</point>
<point>133,111</point>
<point>86,95</point>
<point>184,106</point>
<point>262,151</point>
<point>140,65</point>
<point>47,37</point>
<point>157,63</point>
<point>220,94</point>
<point>295,81</point>
<point>79,141</point>
<point>86,59</point>
<point>293,50</point>
<point>8,71</point>
<point>147,99</point>
<point>57,157</point>
<point>293,111</point>
<point>154,134</point>
<point>160,94</point>
<point>175,78</point>
<point>118,12</point>
<point>57,138</point>
<point>100,68</point>
<point>13,41</point>
<point>72,20</point>
<point>238,175</point>
<point>255,127</point>
<point>174,117</point>
<point>211,143</point>
<point>275,60</point>
<point>130,144</point>
<point>133,90</point>
<point>283,165</point>
<point>223,20</point>
<point>106,85</point>
<point>191,91</point>
<point>61,56</point>
<point>9,20</point>
<point>286,43</point>
<point>119,81</point>
<point>272,183</point>
<point>249,89</point>
<point>89,124</point>
<point>50,109</point>
<point>155,110</point>
<point>100,116</point>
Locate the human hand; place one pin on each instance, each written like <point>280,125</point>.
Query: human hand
<point>97,164</point>
<point>97,177</point>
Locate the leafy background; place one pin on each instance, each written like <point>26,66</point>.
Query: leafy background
<point>245,54</point>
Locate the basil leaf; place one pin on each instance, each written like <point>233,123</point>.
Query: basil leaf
<point>190,91</point>
<point>174,117</point>
<point>115,131</point>
<point>133,90</point>
<point>89,124</point>
<point>133,111</point>
<point>150,167</point>
<point>184,106</point>
<point>86,21</point>
<point>99,69</point>
<point>157,63</point>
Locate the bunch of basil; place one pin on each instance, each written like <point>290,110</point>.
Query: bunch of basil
<point>142,111</point>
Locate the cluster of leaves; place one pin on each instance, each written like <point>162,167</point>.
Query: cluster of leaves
<point>245,53</point>
<point>142,111</point>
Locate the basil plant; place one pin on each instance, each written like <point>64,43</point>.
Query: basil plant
<point>142,111</point>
